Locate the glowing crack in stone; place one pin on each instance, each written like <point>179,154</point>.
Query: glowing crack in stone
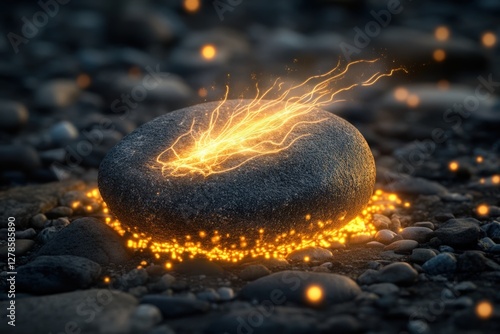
<point>256,129</point>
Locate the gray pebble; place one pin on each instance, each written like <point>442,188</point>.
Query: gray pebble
<point>442,264</point>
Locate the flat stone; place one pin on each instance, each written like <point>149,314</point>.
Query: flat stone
<point>25,202</point>
<point>383,289</point>
<point>253,272</point>
<point>173,307</point>
<point>23,246</point>
<point>415,186</point>
<point>310,254</point>
<point>89,238</point>
<point>421,255</point>
<point>425,224</point>
<point>419,234</point>
<point>53,274</point>
<point>402,246</point>
<point>442,264</point>
<point>381,222</point>
<point>461,232</point>
<point>71,311</point>
<point>291,286</point>
<point>330,175</point>
<point>385,236</point>
<point>475,261</point>
<point>398,273</point>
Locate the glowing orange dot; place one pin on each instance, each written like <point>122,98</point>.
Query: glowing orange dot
<point>482,210</point>
<point>208,51</point>
<point>453,166</point>
<point>307,258</point>
<point>401,94</point>
<point>168,265</point>
<point>191,6</point>
<point>314,294</point>
<point>308,217</point>
<point>484,309</point>
<point>106,279</point>
<point>479,159</point>
<point>489,39</point>
<point>407,204</point>
<point>439,55</point>
<point>442,33</point>
<point>495,179</point>
<point>83,81</point>
<point>202,92</point>
<point>202,234</point>
<point>413,101</point>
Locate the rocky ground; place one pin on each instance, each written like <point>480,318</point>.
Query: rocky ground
<point>85,79</point>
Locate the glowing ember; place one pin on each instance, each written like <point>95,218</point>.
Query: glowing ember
<point>484,310</point>
<point>314,294</point>
<point>191,6</point>
<point>442,33</point>
<point>439,55</point>
<point>235,248</point>
<point>482,210</point>
<point>453,166</point>
<point>208,51</point>
<point>489,39</point>
<point>255,129</point>
<point>479,159</point>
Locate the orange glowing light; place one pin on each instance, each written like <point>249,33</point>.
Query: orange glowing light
<point>495,179</point>
<point>439,55</point>
<point>106,279</point>
<point>191,6</point>
<point>260,128</point>
<point>483,210</point>
<point>442,33</point>
<point>413,101</point>
<point>202,92</point>
<point>251,245</point>
<point>208,51</point>
<point>479,159</point>
<point>314,294</point>
<point>401,94</point>
<point>489,39</point>
<point>484,309</point>
<point>453,166</point>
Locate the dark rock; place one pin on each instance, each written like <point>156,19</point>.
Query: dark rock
<point>442,264</point>
<point>253,272</point>
<point>13,115</point>
<point>425,224</point>
<point>134,278</point>
<point>422,255</point>
<point>22,247</point>
<point>311,253</point>
<point>90,238</point>
<point>415,186</point>
<point>63,132</point>
<point>259,320</point>
<point>58,93</point>
<point>144,318</point>
<point>397,273</point>
<point>492,230</point>
<point>260,191</point>
<point>173,307</point>
<point>17,157</point>
<point>475,261</point>
<point>60,211</point>
<point>460,232</point>
<point>53,274</point>
<point>419,234</point>
<point>383,289</point>
<point>341,324</point>
<point>225,293</point>
<point>291,286</point>
<point>53,313</point>
<point>25,202</point>
<point>402,246</point>
<point>26,234</point>
<point>38,220</point>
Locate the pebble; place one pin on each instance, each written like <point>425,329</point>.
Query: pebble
<point>225,293</point>
<point>381,222</point>
<point>90,238</point>
<point>475,261</point>
<point>492,230</point>
<point>415,186</point>
<point>26,234</point>
<point>208,295</point>
<point>53,274</point>
<point>465,286</point>
<point>419,234</point>
<point>486,244</point>
<point>52,313</point>
<point>58,93</point>
<point>341,323</point>
<point>385,236</point>
<point>165,282</point>
<point>63,132</point>
<point>446,249</point>
<point>459,232</point>
<point>398,273</point>
<point>60,211</point>
<point>421,255</point>
<point>253,272</point>
<point>38,221</point>
<point>375,244</point>
<point>23,246</point>
<point>17,157</point>
<point>145,317</point>
<point>48,234</point>
<point>383,289</point>
<point>174,307</point>
<point>402,246</point>
<point>58,222</point>
<point>13,115</point>
<point>135,277</point>
<point>441,264</point>
<point>312,253</point>
<point>291,286</point>
<point>425,224</point>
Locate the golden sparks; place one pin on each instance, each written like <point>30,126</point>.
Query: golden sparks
<point>453,166</point>
<point>483,210</point>
<point>208,51</point>
<point>314,294</point>
<point>484,309</point>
